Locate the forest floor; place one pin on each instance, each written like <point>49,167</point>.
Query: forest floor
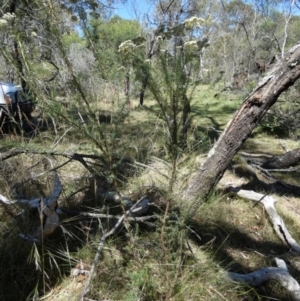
<point>177,255</point>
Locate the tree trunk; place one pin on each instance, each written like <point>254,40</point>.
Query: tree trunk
<point>254,107</point>
<point>142,92</point>
<point>145,76</point>
<point>186,110</point>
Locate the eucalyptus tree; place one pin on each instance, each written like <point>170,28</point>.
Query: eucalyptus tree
<point>247,37</point>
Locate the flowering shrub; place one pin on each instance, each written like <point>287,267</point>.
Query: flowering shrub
<point>193,22</point>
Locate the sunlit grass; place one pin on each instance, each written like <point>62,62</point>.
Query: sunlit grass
<point>183,258</point>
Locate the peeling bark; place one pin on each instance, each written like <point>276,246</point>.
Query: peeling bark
<point>254,107</point>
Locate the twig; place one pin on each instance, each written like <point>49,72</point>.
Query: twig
<point>100,247</point>
<point>218,293</point>
<point>259,201</point>
<point>102,215</point>
<point>64,134</point>
<point>96,259</point>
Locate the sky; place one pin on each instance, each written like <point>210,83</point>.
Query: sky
<point>136,9</point>
<point>133,9</point>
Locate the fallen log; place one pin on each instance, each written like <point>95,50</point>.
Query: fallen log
<point>281,274</point>
<point>289,159</point>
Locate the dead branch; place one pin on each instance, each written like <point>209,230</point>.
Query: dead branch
<point>280,274</point>
<point>71,155</point>
<point>47,208</point>
<point>108,216</point>
<point>291,169</point>
<point>255,156</point>
<point>281,163</point>
<point>101,245</point>
<point>75,156</point>
<point>49,217</point>
<point>80,157</point>
<point>6,201</point>
<point>277,222</point>
<point>290,158</point>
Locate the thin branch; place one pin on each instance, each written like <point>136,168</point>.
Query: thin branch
<point>292,169</point>
<point>100,247</point>
<point>102,215</point>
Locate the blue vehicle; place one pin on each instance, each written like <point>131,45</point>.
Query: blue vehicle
<point>13,103</point>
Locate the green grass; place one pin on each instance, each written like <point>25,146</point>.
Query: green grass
<point>176,258</point>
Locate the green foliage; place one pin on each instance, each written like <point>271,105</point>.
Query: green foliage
<point>282,120</point>
<point>73,37</point>
<point>106,36</point>
<point>83,109</point>
<point>171,76</point>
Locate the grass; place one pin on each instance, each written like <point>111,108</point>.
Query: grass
<point>175,258</point>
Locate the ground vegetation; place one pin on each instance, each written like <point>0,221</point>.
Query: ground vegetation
<point>162,159</point>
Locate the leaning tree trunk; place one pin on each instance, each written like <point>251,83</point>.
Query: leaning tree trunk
<point>254,107</point>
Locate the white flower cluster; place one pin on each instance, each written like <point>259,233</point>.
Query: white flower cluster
<point>193,22</point>
<point>6,18</point>
<point>191,46</point>
<point>126,47</point>
<point>3,23</point>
